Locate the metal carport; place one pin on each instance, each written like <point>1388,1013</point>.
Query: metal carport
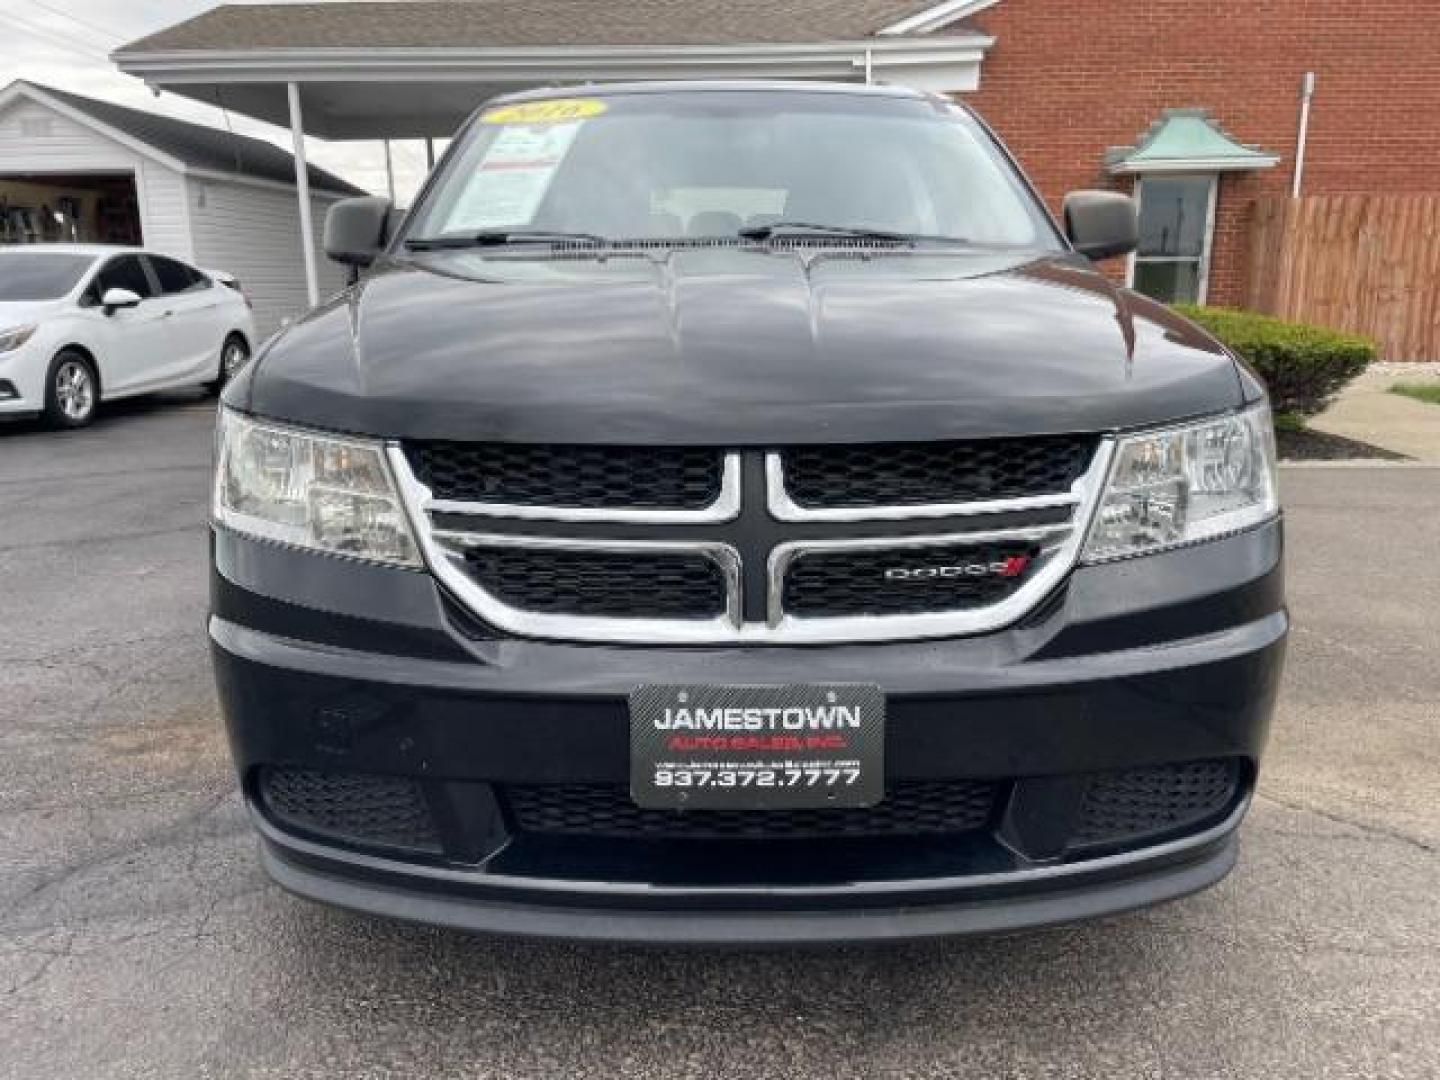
<point>389,70</point>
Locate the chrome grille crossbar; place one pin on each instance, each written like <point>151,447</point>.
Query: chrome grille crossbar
<point>1056,545</point>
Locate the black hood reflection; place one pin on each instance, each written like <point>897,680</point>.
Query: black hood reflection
<point>740,347</point>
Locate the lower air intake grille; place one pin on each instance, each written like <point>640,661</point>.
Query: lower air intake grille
<point>591,477</point>
<point>905,474</point>
<point>376,811</point>
<point>920,808</point>
<point>1123,807</point>
<point>632,585</point>
<point>901,580</point>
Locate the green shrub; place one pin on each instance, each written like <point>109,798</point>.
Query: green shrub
<point>1304,367</point>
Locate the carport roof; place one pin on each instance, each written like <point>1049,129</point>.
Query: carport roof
<point>386,69</point>
<point>459,24</point>
<point>194,145</point>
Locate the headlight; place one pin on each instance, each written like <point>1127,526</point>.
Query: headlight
<point>1184,484</point>
<point>322,492</point>
<point>15,336</point>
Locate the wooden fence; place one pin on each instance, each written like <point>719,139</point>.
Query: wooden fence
<point>1364,263</point>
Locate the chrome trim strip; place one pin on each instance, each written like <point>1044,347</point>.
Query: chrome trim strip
<point>415,496</point>
<point>452,542</point>
<point>1059,558</point>
<point>783,508</point>
<point>726,507</point>
<point>1054,541</point>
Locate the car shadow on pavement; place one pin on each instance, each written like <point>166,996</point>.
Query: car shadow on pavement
<point>116,414</point>
<point>592,1004</point>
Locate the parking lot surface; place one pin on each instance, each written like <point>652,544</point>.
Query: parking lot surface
<point>139,938</point>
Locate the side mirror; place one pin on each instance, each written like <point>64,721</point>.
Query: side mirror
<point>115,299</point>
<point>1102,223</point>
<point>355,230</point>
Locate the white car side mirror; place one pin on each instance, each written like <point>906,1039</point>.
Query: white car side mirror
<point>118,298</point>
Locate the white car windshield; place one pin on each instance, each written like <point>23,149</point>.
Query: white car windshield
<point>724,164</point>
<point>39,275</point>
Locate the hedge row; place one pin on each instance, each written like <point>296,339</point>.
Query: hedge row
<point>1304,367</point>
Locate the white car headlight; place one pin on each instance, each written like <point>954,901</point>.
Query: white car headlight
<point>13,337</point>
<point>323,492</point>
<point>1180,485</point>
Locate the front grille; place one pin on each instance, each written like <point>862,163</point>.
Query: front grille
<point>601,583</point>
<point>908,474</point>
<point>954,577</point>
<point>1134,804</point>
<point>915,808</point>
<point>376,811</point>
<point>589,477</point>
<point>725,545</point>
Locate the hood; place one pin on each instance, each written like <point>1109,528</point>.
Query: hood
<point>24,312</point>
<point>739,347</point>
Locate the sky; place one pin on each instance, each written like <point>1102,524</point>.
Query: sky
<point>66,44</point>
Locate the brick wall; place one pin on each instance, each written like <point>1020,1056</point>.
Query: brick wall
<point>1067,79</point>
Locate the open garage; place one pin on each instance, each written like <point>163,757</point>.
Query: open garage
<point>76,208</point>
<point>77,170</point>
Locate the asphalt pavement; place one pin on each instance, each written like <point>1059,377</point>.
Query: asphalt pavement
<point>138,937</point>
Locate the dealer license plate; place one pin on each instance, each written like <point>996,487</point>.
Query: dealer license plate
<point>755,747</point>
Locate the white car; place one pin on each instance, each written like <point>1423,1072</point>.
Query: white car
<point>81,324</point>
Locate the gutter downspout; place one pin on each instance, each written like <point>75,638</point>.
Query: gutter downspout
<point>1307,93</point>
<point>302,190</point>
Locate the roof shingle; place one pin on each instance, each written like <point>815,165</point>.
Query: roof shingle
<point>522,23</point>
<point>199,146</point>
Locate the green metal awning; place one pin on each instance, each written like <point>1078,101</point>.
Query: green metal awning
<point>1187,140</point>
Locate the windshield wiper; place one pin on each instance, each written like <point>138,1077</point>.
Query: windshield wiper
<point>498,238</point>
<point>854,232</point>
<point>800,228</point>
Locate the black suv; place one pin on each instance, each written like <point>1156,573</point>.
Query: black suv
<point>737,512</point>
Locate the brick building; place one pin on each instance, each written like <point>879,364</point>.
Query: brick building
<point>1067,79</point>
<point>1195,106</point>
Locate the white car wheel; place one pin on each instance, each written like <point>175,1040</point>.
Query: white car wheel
<point>72,392</point>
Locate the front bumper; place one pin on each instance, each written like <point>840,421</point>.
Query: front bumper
<point>22,384</point>
<point>340,668</point>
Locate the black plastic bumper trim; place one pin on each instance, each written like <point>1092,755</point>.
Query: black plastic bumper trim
<point>912,890</point>
<point>893,921</point>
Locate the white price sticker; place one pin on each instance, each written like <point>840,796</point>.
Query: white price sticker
<point>507,188</point>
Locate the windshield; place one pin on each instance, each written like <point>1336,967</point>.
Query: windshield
<point>39,275</point>
<point>709,164</point>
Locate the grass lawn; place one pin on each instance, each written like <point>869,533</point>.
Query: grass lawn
<point>1419,391</point>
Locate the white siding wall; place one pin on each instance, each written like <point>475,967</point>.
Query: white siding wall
<point>253,232</point>
<point>164,218</point>
<point>71,147</point>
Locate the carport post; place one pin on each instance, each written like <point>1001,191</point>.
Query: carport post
<point>302,190</point>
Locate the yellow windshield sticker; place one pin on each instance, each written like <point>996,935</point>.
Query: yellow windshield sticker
<point>559,111</point>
